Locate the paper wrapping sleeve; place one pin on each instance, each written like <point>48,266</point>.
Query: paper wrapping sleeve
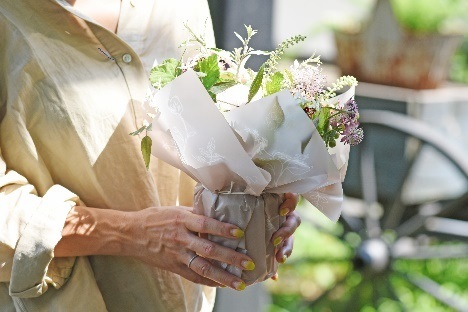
<point>257,216</point>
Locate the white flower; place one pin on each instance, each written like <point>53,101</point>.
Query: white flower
<point>308,80</point>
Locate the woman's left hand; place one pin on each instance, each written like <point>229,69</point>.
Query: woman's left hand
<point>283,239</point>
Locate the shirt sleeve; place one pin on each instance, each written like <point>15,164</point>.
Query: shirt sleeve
<point>31,228</point>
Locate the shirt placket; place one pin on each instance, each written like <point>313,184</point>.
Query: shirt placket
<point>124,56</point>
<point>131,30</point>
<point>130,66</point>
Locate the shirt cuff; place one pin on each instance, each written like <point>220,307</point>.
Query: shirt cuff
<point>35,249</point>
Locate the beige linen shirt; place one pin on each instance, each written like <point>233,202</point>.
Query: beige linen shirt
<point>70,94</point>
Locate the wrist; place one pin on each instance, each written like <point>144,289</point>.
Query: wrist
<point>92,231</point>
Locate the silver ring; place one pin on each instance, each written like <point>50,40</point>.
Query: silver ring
<point>191,260</point>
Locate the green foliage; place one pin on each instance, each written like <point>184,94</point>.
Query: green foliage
<point>342,82</point>
<point>459,70</point>
<point>289,75</point>
<point>256,83</point>
<point>321,259</point>
<point>242,54</point>
<point>274,84</point>
<point>222,86</point>
<point>275,56</point>
<point>164,73</point>
<point>194,38</point>
<point>137,132</point>
<point>328,133</point>
<point>323,120</point>
<point>146,143</point>
<point>428,16</point>
<point>209,67</point>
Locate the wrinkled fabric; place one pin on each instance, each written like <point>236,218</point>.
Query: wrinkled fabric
<point>257,216</point>
<point>68,102</point>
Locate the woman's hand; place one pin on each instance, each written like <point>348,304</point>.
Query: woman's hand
<point>283,239</point>
<point>167,237</point>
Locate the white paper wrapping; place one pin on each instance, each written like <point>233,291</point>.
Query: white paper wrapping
<point>267,146</point>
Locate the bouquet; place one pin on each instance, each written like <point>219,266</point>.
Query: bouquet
<point>249,137</point>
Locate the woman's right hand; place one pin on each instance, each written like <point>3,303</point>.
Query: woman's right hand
<point>167,237</point>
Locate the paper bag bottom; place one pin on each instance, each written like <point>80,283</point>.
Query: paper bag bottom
<point>257,216</point>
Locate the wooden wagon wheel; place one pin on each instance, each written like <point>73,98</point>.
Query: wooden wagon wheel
<point>390,230</point>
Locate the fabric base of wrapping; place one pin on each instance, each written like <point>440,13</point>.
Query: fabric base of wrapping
<point>257,216</point>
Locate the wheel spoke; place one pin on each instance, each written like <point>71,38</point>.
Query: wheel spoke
<point>454,206</point>
<point>411,225</point>
<point>313,260</point>
<point>430,211</point>
<point>393,294</point>
<point>369,189</point>
<point>394,214</point>
<point>447,226</point>
<point>434,289</point>
<point>416,222</point>
<point>317,225</point>
<point>327,292</point>
<point>352,224</point>
<point>376,291</point>
<point>433,252</point>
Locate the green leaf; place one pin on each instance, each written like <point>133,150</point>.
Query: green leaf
<point>324,117</point>
<point>227,77</point>
<point>165,72</point>
<point>213,96</point>
<point>222,86</point>
<point>289,75</point>
<point>209,67</point>
<point>137,132</point>
<point>146,143</point>
<point>256,83</point>
<point>239,37</point>
<point>274,84</point>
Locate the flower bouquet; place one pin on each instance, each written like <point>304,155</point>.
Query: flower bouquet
<point>249,137</point>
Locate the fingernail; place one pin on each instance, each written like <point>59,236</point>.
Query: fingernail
<point>277,241</point>
<point>237,233</point>
<point>275,277</point>
<point>238,285</point>
<point>283,260</point>
<point>284,211</point>
<point>248,265</point>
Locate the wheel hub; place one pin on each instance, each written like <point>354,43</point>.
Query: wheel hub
<point>372,255</point>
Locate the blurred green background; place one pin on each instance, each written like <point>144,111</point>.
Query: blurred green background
<point>321,261</point>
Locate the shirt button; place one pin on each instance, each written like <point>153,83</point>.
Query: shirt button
<point>127,58</point>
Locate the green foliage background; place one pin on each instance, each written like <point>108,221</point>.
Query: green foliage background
<point>320,260</point>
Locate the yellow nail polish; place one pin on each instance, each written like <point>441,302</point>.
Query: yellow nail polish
<point>237,233</point>
<point>277,241</point>
<point>284,211</point>
<point>283,260</point>
<point>248,265</point>
<point>239,285</point>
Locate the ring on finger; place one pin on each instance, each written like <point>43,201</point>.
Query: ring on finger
<point>191,260</point>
